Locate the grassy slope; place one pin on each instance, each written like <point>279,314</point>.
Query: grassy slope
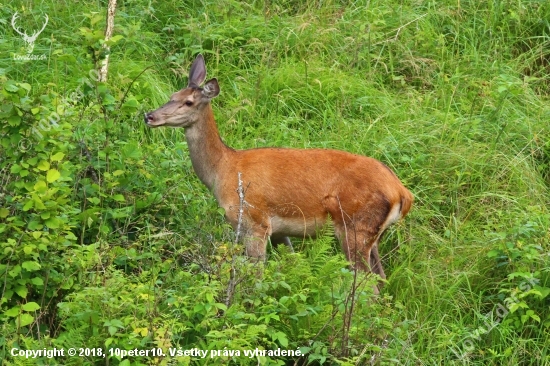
<point>452,96</point>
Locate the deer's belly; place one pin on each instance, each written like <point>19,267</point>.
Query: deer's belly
<point>296,226</point>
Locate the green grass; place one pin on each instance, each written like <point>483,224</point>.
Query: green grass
<point>452,95</point>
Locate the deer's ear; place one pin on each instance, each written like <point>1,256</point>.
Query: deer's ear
<point>197,73</point>
<point>211,89</point>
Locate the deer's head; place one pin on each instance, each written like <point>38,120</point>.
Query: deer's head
<point>187,105</point>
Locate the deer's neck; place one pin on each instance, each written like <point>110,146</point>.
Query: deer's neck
<point>206,149</point>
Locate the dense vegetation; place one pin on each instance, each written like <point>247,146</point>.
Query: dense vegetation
<point>108,240</point>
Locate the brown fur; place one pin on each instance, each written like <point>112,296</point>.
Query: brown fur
<point>288,192</point>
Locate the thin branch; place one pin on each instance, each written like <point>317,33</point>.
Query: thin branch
<point>242,202</point>
<point>394,38</point>
<point>233,281</point>
<point>130,86</point>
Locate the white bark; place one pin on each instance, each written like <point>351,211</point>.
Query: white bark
<point>111,9</point>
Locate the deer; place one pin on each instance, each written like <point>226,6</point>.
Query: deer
<point>29,40</point>
<point>276,193</point>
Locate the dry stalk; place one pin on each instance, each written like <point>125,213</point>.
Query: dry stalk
<point>233,280</point>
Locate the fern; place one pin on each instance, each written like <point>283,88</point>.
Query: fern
<point>320,250</point>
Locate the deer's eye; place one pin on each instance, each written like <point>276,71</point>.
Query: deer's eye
<point>189,103</point>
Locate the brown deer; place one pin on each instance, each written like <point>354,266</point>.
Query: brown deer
<point>280,192</point>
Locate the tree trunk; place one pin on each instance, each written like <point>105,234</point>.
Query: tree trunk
<point>108,33</point>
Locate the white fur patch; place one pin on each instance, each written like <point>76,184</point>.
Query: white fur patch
<point>394,216</point>
<point>294,226</point>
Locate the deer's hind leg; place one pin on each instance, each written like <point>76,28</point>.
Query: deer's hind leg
<point>276,240</point>
<point>376,262</point>
<point>361,252</point>
<point>359,234</point>
<point>359,249</point>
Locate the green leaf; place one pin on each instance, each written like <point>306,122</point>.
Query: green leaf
<point>543,291</point>
<point>30,306</point>
<point>52,223</point>
<point>43,165</point>
<point>11,86</point>
<point>25,86</point>
<point>31,266</point>
<point>40,186</point>
<point>15,271</point>
<point>34,225</point>
<point>28,205</point>
<point>13,312</point>
<point>38,204</point>
<point>116,38</point>
<point>57,157</point>
<point>35,110</point>
<point>119,198</point>
<point>131,103</point>
<point>4,212</point>
<point>14,120</point>
<point>520,274</point>
<point>52,175</point>
<point>283,340</point>
<point>25,319</point>
<point>37,281</point>
<point>515,306</point>
<point>21,291</point>
<point>220,306</point>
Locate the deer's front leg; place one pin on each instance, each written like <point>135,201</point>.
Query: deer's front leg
<point>255,247</point>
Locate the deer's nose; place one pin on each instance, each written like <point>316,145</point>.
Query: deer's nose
<point>148,118</point>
